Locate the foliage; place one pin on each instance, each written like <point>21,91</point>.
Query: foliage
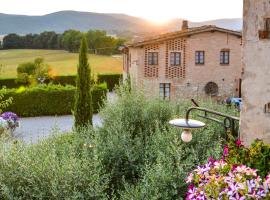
<point>98,41</point>
<point>33,71</point>
<point>220,180</point>
<point>135,154</point>
<point>10,83</point>
<point>83,108</point>
<point>61,167</point>
<point>4,103</point>
<point>111,80</point>
<point>256,156</point>
<point>48,100</point>
<point>12,120</point>
<point>143,154</point>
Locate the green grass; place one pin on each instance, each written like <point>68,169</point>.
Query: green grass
<point>61,62</point>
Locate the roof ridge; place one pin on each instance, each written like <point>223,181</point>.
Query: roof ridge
<point>189,31</point>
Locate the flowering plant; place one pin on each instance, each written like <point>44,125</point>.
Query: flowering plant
<point>219,180</point>
<point>3,124</point>
<point>256,156</point>
<point>11,120</point>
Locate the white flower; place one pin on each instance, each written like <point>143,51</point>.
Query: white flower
<point>3,123</point>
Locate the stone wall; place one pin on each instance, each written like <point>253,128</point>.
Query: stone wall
<point>255,116</point>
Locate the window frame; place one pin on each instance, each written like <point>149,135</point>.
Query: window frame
<point>173,58</point>
<point>152,58</point>
<point>165,91</point>
<point>222,58</point>
<point>198,59</point>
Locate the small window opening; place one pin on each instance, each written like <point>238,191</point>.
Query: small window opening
<point>267,108</point>
<point>265,34</point>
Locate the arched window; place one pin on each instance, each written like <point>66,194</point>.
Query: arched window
<point>211,89</point>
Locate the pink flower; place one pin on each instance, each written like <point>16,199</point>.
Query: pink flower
<point>238,143</point>
<point>226,151</point>
<point>211,160</point>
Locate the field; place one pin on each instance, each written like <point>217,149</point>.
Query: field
<point>61,62</point>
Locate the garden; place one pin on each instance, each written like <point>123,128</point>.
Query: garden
<point>134,154</point>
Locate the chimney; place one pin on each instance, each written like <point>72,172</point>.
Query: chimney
<point>184,25</point>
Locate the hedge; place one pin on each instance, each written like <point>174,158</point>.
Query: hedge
<point>61,80</point>
<point>49,100</point>
<point>10,83</point>
<point>111,79</point>
<point>64,80</point>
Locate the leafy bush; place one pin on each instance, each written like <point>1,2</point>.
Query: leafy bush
<point>257,156</point>
<point>143,154</point>
<point>32,72</point>
<point>112,80</point>
<point>26,68</point>
<point>63,80</point>
<point>10,83</point>
<point>58,168</point>
<point>134,155</point>
<point>48,100</point>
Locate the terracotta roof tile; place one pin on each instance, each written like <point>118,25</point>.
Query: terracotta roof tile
<point>184,33</point>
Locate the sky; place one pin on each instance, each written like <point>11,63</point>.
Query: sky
<point>158,11</point>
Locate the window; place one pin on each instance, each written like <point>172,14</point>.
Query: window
<point>152,58</point>
<point>225,57</point>
<point>199,57</point>
<point>265,33</point>
<point>267,24</point>
<point>175,58</point>
<point>165,90</point>
<point>267,108</point>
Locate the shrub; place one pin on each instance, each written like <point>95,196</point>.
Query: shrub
<point>256,156</point>
<point>48,100</point>
<point>83,107</point>
<point>143,154</point>
<point>112,80</point>
<point>27,68</point>
<point>63,80</point>
<point>31,72</point>
<point>134,155</point>
<point>57,168</point>
<point>10,83</point>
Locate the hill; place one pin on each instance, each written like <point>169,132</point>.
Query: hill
<point>112,23</point>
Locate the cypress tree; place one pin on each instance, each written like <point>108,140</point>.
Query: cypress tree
<point>83,111</point>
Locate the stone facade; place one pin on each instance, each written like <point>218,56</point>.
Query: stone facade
<point>255,115</point>
<point>188,79</point>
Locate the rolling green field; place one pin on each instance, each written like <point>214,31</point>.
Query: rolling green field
<point>61,62</point>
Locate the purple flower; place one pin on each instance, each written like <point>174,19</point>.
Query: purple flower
<point>10,116</point>
<point>12,120</point>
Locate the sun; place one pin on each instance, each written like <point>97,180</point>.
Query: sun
<point>158,19</point>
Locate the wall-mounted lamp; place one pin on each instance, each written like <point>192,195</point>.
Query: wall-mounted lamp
<point>187,124</point>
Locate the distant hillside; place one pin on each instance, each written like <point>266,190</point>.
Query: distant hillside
<point>112,23</point>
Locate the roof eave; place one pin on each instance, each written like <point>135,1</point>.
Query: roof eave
<point>184,34</point>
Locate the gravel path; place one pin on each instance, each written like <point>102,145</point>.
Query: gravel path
<point>33,129</point>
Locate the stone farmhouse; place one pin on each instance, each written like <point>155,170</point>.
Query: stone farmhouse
<point>255,114</point>
<point>192,62</point>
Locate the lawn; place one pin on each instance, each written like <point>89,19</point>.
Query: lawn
<point>61,62</point>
